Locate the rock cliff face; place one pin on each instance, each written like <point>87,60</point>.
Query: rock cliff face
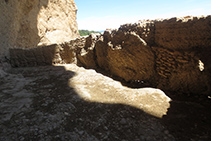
<point>171,54</point>
<point>31,23</point>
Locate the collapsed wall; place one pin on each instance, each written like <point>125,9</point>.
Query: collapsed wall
<point>31,23</point>
<point>172,54</point>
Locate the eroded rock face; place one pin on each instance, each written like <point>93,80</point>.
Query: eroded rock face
<point>31,23</point>
<point>125,55</point>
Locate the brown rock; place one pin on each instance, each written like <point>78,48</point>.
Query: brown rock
<point>183,33</point>
<point>32,23</point>
<point>126,56</point>
<point>46,55</point>
<point>85,55</point>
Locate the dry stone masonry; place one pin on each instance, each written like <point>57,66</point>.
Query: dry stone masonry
<point>171,54</point>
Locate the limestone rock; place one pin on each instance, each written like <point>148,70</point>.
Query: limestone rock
<point>31,23</point>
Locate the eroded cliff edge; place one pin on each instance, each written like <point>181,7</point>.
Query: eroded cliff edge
<point>31,23</point>
<point>171,54</point>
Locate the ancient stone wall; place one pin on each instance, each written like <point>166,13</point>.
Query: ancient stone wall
<point>184,33</point>
<point>172,54</point>
<point>183,54</point>
<point>62,53</point>
<point>176,58</point>
<point>32,23</point>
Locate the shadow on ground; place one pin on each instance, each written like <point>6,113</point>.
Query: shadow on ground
<point>189,117</point>
<point>55,111</point>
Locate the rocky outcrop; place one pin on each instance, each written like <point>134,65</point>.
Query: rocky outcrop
<point>32,23</point>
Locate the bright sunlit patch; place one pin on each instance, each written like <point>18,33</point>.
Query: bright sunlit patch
<point>95,87</point>
<point>201,65</point>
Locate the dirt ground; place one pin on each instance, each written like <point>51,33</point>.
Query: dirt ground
<point>67,102</point>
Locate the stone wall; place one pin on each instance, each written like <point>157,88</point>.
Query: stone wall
<point>184,33</point>
<point>172,54</point>
<point>183,54</point>
<point>32,23</point>
<point>62,53</point>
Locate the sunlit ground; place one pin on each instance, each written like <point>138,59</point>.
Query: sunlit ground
<point>95,87</point>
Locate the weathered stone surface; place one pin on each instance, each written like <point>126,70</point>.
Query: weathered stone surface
<point>69,50</point>
<point>46,55</point>
<point>32,23</point>
<point>145,29</point>
<point>63,53</point>
<point>171,54</point>
<point>126,55</point>
<point>85,54</point>
<point>180,71</point>
<point>184,33</point>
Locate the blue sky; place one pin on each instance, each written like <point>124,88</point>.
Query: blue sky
<point>101,14</point>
